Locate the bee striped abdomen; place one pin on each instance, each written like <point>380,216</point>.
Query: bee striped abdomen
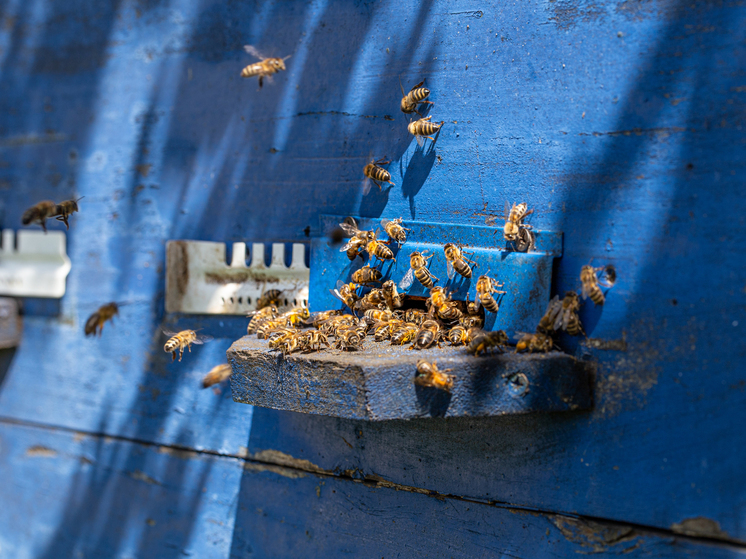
<point>573,326</point>
<point>462,268</point>
<point>380,250</point>
<point>252,70</point>
<point>596,295</point>
<point>420,94</point>
<point>423,277</point>
<point>489,303</point>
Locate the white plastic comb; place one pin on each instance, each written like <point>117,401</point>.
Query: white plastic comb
<point>198,281</point>
<point>37,268</point>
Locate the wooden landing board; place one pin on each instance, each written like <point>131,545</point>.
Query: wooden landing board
<point>377,382</point>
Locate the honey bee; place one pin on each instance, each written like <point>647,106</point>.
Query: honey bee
<point>423,128</point>
<point>367,275</point>
<point>384,330</point>
<point>377,174</point>
<point>259,317</point>
<point>296,315</point>
<point>267,327</point>
<point>269,298</point>
<point>514,221</point>
<point>546,324</point>
<point>318,318</point>
<point>567,318</point>
<point>358,239</point>
<point>379,250</point>
<point>39,213</point>
<point>590,281</point>
<point>418,269</point>
<point>95,323</point>
<point>335,323</point>
<point>427,335</point>
<point>429,376</point>
<point>378,315</point>
<point>404,333</point>
<point>374,299</point>
<point>217,374</point>
<point>486,286</point>
<point>416,95</point>
<point>472,307</point>
<point>482,341</point>
<point>472,321</point>
<point>458,335</point>
<point>351,338</point>
<point>392,297</point>
<point>394,230</point>
<point>184,339</point>
<point>65,209</point>
<point>441,302</point>
<point>265,68</point>
<point>415,316</point>
<point>312,340</point>
<point>457,262</point>
<point>534,343</point>
<point>277,337</point>
<point>345,292</point>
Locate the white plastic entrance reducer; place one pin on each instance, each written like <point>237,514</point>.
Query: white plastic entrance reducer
<point>38,267</point>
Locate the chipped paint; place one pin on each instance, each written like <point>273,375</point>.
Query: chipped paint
<point>700,527</point>
<point>39,451</point>
<point>142,476</point>
<point>597,537</point>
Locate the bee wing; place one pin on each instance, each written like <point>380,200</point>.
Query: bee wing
<point>407,280</point>
<point>385,222</point>
<point>349,229</point>
<point>350,244</point>
<point>169,333</point>
<point>450,269</point>
<point>253,52</point>
<point>203,339</point>
<point>367,185</point>
<point>560,322</point>
<point>420,141</point>
<point>586,292</point>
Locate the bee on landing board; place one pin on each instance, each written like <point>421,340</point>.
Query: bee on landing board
<point>457,262</point>
<point>589,279</point>
<point>377,174</point>
<point>482,341</point>
<point>486,286</point>
<point>260,317</point>
<point>534,343</point>
<point>427,335</point>
<point>515,230</point>
<point>65,209</point>
<point>367,275</point>
<point>95,323</point>
<point>394,230</point>
<point>265,68</point>
<point>391,295</point>
<point>178,341</point>
<point>423,128</point>
<point>379,250</point>
<point>217,374</point>
<point>416,96</point>
<point>429,376</point>
<point>346,292</point>
<point>39,213</point>
<point>418,269</point>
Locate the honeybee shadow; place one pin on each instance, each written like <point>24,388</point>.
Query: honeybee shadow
<point>418,169</point>
<point>432,401</point>
<point>375,200</point>
<point>590,315</point>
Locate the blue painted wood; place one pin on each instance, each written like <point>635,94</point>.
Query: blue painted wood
<point>527,276</point>
<point>377,383</point>
<point>621,123</point>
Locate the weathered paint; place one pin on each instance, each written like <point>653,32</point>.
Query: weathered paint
<point>620,123</point>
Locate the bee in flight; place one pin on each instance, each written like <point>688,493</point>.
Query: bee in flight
<point>95,323</point>
<point>486,286</point>
<point>39,213</point>
<point>416,95</point>
<point>265,68</point>
<point>373,172</point>
<point>589,279</point>
<point>418,269</point>
<point>184,339</point>
<point>217,374</point>
<point>65,209</point>
<point>457,262</point>
<point>346,292</point>
<point>423,128</point>
<point>394,230</point>
<point>517,231</point>
<point>429,376</point>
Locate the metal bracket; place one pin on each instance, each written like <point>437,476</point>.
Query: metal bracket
<point>38,267</point>
<point>198,280</point>
<point>527,275</point>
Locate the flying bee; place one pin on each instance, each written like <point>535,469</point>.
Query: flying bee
<point>429,376</point>
<point>392,297</point>
<point>265,68</point>
<point>514,221</point>
<point>259,317</point>
<point>312,340</point>
<point>217,374</point>
<point>366,275</point>
<point>395,230</point>
<point>534,343</point>
<point>486,286</point>
<point>65,209</point>
<point>416,95</point>
<point>95,323</point>
<point>269,298</point>
<point>345,292</point>
<point>418,269</point>
<point>423,128</point>
<point>403,334</point>
<point>184,339</point>
<point>358,239</point>
<point>457,262</point>
<point>483,341</point>
<point>39,213</point>
<point>590,281</point>
<point>268,327</point>
<point>377,174</point>
<point>379,250</point>
<point>567,317</point>
<point>427,335</point>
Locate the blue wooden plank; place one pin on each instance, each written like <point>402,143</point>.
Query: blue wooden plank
<point>72,495</point>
